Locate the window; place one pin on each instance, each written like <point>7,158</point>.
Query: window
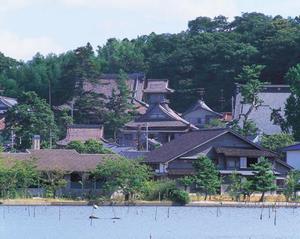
<point>128,136</point>
<point>243,162</point>
<point>76,181</point>
<point>230,163</point>
<point>251,161</point>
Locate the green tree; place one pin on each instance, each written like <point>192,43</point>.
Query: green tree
<point>17,176</point>
<point>90,146</point>
<point>247,188</point>
<point>186,182</point>
<point>250,93</point>
<point>264,177</point>
<point>216,123</point>
<point>26,174</point>
<point>292,185</point>
<point>31,116</point>
<point>235,187</point>
<point>53,180</point>
<point>90,108</point>
<point>277,141</point>
<point>292,110</point>
<point>120,110</point>
<point>129,176</point>
<point>206,178</point>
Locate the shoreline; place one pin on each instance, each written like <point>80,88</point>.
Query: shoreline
<point>65,202</point>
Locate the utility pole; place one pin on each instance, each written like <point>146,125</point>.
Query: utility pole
<point>201,93</point>
<point>50,139</point>
<point>147,135</point>
<point>12,140</point>
<point>49,93</point>
<point>222,100</point>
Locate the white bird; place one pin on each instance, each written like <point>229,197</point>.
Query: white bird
<point>95,206</point>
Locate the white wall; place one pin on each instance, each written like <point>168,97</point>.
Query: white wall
<point>293,159</point>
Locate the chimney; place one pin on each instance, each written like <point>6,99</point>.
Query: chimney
<point>36,142</point>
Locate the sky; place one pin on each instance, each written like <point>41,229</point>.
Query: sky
<point>55,26</point>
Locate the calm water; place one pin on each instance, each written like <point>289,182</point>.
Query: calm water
<point>139,222</point>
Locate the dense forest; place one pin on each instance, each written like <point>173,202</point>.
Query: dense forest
<point>209,54</point>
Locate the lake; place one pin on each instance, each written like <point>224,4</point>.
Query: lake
<point>72,222</point>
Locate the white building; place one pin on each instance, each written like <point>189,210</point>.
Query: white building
<point>293,155</point>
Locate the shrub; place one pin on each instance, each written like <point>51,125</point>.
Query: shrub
<point>155,190</point>
<point>179,196</point>
<point>165,190</point>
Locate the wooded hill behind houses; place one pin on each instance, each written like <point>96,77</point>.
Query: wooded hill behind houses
<point>209,54</point>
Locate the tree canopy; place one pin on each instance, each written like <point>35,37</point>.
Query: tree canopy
<point>209,54</point>
<point>31,116</point>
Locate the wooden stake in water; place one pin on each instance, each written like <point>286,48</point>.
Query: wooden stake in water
<point>59,213</point>
<point>155,213</point>
<point>34,211</point>
<point>275,217</point>
<point>168,212</point>
<point>269,211</point>
<point>261,212</point>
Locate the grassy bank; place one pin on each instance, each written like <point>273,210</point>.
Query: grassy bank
<point>216,201</point>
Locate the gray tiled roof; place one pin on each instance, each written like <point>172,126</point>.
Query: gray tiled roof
<point>182,145</point>
<point>200,104</point>
<point>274,97</point>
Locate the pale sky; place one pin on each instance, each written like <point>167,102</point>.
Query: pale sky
<point>45,26</point>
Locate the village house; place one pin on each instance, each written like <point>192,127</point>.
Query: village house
<point>5,104</point>
<point>293,155</point>
<point>229,151</point>
<point>75,167</point>
<point>273,97</point>
<point>82,133</point>
<point>105,84</point>
<point>160,124</point>
<point>200,115</point>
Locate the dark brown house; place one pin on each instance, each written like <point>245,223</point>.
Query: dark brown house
<point>229,151</point>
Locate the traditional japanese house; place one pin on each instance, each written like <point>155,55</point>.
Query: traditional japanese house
<point>200,114</point>
<point>160,124</point>
<point>82,133</point>
<point>229,151</point>
<point>75,167</point>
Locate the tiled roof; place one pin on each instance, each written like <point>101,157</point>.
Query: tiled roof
<point>295,147</point>
<point>6,103</point>
<point>200,104</point>
<point>182,145</point>
<point>274,97</point>
<point>106,83</point>
<point>61,159</point>
<point>82,133</point>
<point>240,152</point>
<point>158,86</point>
<point>171,119</point>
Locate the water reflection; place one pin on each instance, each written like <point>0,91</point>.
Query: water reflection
<point>64,222</point>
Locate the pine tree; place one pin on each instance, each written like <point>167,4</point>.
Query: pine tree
<point>120,110</point>
<point>207,176</point>
<point>264,177</point>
